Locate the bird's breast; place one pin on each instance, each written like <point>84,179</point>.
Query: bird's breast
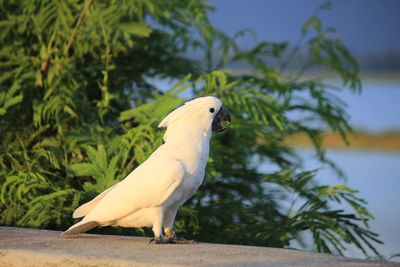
<point>194,155</point>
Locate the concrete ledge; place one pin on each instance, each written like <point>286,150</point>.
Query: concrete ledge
<point>32,247</point>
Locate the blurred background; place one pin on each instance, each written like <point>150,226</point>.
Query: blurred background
<point>313,152</point>
<point>371,31</point>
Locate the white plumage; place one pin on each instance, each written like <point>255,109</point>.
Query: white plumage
<point>151,194</point>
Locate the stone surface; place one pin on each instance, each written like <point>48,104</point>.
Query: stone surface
<point>32,247</point>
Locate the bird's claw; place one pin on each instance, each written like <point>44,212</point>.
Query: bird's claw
<point>161,240</point>
<point>179,239</point>
<point>171,239</point>
<point>183,241</point>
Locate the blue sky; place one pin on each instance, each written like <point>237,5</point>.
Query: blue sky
<point>366,26</point>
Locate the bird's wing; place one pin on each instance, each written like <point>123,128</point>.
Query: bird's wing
<point>87,207</point>
<point>149,185</point>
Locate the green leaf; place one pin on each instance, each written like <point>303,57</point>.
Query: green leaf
<point>82,169</point>
<point>312,21</point>
<point>137,29</point>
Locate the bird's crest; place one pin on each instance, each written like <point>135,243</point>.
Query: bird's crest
<point>192,106</point>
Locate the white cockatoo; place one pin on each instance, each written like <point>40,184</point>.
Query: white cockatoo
<point>151,194</point>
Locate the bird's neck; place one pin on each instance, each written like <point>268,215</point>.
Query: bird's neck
<point>190,146</point>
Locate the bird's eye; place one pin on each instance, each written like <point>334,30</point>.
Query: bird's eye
<point>212,110</point>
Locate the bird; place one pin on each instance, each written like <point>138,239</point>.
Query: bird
<point>152,193</point>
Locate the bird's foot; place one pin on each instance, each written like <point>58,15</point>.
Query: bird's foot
<point>161,240</point>
<point>171,239</point>
<point>179,239</point>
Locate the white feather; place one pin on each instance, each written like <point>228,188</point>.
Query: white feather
<point>151,194</point>
<point>87,207</point>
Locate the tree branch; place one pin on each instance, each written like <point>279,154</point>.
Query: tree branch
<point>75,31</point>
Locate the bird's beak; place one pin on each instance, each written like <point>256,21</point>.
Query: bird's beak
<point>221,116</point>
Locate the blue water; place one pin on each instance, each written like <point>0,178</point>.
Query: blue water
<point>377,108</point>
<point>376,175</point>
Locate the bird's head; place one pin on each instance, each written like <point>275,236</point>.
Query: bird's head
<point>203,113</point>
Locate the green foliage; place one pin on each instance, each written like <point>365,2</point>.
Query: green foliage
<point>78,112</point>
<point>8,99</point>
<point>329,228</point>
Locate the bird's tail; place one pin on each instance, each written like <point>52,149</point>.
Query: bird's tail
<point>79,227</point>
<point>87,207</point>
